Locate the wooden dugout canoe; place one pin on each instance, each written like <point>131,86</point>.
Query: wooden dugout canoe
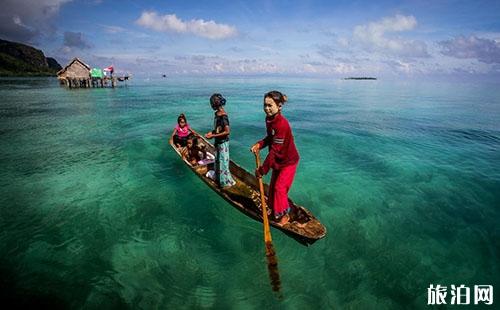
<point>245,197</point>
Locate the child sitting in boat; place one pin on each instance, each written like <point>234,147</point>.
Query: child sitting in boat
<point>181,132</point>
<point>192,152</point>
<point>196,153</point>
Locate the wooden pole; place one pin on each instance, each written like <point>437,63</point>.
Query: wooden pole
<point>272,260</point>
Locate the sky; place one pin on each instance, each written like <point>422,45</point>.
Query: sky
<point>393,39</point>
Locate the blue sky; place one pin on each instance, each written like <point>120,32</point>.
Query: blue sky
<point>394,39</point>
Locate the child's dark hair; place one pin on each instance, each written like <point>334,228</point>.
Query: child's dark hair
<point>195,148</point>
<point>192,137</point>
<point>181,116</point>
<point>277,97</point>
<point>216,101</point>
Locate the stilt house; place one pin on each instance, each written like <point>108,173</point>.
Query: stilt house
<point>75,74</point>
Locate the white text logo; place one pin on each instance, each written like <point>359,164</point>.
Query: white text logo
<point>460,295</point>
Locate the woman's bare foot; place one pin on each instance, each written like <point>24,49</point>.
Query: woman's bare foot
<point>284,220</point>
<point>233,183</point>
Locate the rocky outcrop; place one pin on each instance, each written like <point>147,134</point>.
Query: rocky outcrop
<point>18,59</point>
<point>53,64</point>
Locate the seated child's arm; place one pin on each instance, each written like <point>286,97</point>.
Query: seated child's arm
<point>184,153</point>
<point>172,135</point>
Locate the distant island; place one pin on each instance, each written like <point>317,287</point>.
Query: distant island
<point>360,78</point>
<point>17,59</point>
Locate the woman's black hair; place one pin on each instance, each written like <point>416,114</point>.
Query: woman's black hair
<point>181,116</point>
<point>216,101</point>
<point>277,97</point>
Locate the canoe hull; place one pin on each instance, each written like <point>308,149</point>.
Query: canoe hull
<point>245,197</point>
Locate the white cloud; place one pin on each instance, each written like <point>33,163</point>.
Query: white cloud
<point>343,68</point>
<point>209,64</point>
<point>343,42</point>
<point>66,49</point>
<point>400,66</point>
<point>336,68</point>
<point>218,67</point>
<point>374,36</point>
<point>256,66</point>
<point>171,23</point>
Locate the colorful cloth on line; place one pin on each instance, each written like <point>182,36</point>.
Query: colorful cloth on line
<point>222,173</point>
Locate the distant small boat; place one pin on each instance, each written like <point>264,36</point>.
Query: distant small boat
<point>164,75</point>
<point>245,197</point>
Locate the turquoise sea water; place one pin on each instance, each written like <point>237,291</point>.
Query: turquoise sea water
<point>97,211</point>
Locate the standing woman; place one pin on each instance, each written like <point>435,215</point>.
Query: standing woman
<point>283,157</point>
<point>221,135</point>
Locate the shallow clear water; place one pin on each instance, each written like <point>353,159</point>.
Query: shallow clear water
<point>97,211</point>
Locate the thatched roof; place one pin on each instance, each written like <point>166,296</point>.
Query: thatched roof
<point>76,59</point>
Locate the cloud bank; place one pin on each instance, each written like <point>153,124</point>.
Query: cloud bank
<point>26,20</point>
<point>199,27</point>
<point>484,50</point>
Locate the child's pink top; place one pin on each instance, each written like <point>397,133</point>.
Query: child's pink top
<point>182,132</point>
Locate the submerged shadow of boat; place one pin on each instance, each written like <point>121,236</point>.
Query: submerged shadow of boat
<point>245,197</point>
